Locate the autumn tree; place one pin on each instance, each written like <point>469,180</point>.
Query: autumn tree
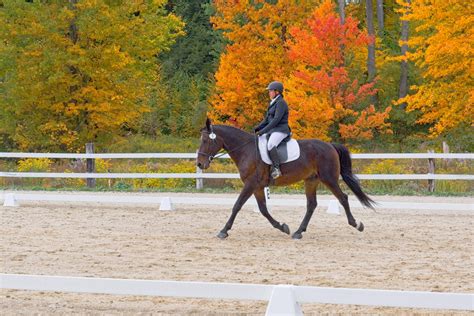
<point>257,32</point>
<point>325,95</point>
<point>442,47</point>
<point>79,70</point>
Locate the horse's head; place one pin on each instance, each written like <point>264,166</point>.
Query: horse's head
<point>210,146</point>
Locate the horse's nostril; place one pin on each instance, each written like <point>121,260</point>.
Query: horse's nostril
<point>199,164</point>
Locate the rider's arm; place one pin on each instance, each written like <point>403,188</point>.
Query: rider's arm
<point>261,124</point>
<point>279,113</point>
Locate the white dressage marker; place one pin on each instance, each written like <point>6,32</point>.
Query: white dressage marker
<point>333,207</point>
<point>165,204</point>
<point>283,302</point>
<point>10,200</point>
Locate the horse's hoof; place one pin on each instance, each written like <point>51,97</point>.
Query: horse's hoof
<point>222,235</point>
<point>285,228</point>
<point>297,236</point>
<point>360,227</point>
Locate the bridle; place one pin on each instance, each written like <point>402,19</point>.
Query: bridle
<point>213,138</point>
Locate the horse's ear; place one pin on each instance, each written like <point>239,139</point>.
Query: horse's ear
<point>208,124</point>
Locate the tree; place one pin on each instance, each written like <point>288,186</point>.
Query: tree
<point>442,47</point>
<point>187,70</point>
<point>257,32</point>
<point>380,18</point>
<point>341,5</point>
<point>403,86</point>
<point>371,68</point>
<point>78,71</point>
<point>325,95</point>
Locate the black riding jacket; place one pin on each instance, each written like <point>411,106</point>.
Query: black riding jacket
<point>276,118</point>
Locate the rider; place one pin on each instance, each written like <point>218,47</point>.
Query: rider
<point>275,123</point>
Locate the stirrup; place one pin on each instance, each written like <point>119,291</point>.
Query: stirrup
<point>276,173</point>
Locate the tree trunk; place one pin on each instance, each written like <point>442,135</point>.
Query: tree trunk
<point>72,26</point>
<point>380,18</point>
<point>342,13</point>
<point>370,28</point>
<point>371,70</point>
<point>403,88</point>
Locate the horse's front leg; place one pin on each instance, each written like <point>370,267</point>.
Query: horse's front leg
<point>262,205</point>
<point>246,192</point>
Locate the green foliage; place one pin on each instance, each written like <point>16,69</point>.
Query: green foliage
<point>158,144</point>
<point>198,52</point>
<point>179,107</point>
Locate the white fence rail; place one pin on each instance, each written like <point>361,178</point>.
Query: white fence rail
<point>193,155</point>
<point>200,175</point>
<point>283,299</point>
<point>428,176</point>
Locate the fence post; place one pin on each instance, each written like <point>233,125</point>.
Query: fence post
<point>199,182</point>
<point>445,151</point>
<point>431,169</point>
<point>90,165</point>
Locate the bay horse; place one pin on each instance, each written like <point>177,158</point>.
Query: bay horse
<point>318,162</point>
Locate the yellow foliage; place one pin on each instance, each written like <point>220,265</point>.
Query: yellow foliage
<point>103,165</point>
<point>442,45</point>
<point>35,165</point>
<point>62,90</point>
<point>386,166</point>
<point>163,183</point>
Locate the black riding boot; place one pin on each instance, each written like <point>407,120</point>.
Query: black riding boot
<point>275,163</point>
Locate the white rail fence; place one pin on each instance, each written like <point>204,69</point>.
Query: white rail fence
<point>199,175</point>
<point>283,299</point>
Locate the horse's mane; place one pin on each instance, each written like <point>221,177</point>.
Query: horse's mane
<point>232,128</point>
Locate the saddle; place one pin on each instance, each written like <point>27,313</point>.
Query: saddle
<point>287,150</point>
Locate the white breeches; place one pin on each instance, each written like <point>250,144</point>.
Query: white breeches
<point>275,139</point>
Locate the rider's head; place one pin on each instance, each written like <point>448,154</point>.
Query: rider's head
<point>275,88</point>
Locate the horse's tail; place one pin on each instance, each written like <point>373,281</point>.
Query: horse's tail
<point>349,178</point>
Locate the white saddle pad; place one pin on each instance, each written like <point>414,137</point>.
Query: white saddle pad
<point>292,148</point>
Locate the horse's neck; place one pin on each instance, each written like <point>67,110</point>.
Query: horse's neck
<point>236,141</point>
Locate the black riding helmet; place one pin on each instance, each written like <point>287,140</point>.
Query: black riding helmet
<point>275,85</point>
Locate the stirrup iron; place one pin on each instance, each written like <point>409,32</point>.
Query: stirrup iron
<point>276,173</point>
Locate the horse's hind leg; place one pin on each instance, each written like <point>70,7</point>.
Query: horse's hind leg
<point>342,197</point>
<point>310,185</point>
<point>262,205</point>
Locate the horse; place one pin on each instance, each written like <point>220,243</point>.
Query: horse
<point>319,161</point>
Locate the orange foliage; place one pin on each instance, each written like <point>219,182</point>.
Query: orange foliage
<point>257,55</point>
<point>306,48</point>
<point>321,91</point>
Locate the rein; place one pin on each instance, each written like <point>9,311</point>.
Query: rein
<point>220,154</point>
